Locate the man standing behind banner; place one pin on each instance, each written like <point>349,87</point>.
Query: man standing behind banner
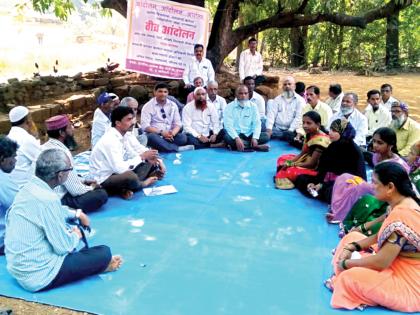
<point>251,63</point>
<point>197,66</point>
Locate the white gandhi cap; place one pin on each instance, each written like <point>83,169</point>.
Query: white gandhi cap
<point>17,113</point>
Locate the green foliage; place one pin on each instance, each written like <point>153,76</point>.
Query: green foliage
<point>347,47</point>
<point>61,8</point>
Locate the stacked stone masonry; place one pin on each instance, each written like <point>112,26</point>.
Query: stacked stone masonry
<point>46,96</point>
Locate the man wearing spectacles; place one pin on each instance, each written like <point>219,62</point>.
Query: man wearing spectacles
<point>161,120</point>
<point>74,192</point>
<point>41,237</point>
<point>407,129</point>
<point>386,94</point>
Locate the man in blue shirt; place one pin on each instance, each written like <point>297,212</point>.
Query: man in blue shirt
<point>8,187</point>
<point>243,124</point>
<point>40,243</point>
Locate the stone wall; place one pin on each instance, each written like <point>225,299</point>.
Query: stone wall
<point>47,96</point>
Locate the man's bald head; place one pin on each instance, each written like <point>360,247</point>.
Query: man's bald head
<point>242,92</point>
<point>289,84</point>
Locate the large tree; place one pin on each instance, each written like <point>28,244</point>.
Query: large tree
<point>225,36</point>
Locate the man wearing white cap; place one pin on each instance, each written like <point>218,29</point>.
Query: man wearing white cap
<point>29,147</point>
<point>201,121</point>
<point>101,118</point>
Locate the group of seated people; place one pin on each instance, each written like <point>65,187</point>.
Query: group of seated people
<point>377,262</point>
<point>43,201</point>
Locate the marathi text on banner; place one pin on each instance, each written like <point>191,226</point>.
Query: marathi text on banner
<point>162,34</point>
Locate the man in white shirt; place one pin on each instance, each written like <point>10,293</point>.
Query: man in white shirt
<point>357,119</point>
<point>251,63</point>
<point>101,117</point>
<point>116,165</point>
<point>29,147</point>
<point>336,94</point>
<point>256,99</point>
<point>216,100</point>
<point>197,66</point>
<point>376,113</point>
<point>314,104</point>
<point>284,113</point>
<point>74,192</point>
<point>387,98</point>
<point>201,122</point>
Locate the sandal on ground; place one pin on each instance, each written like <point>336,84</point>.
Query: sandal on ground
<point>328,284</point>
<point>330,218</point>
<point>284,183</point>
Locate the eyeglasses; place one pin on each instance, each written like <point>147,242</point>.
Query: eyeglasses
<point>163,113</point>
<point>65,170</point>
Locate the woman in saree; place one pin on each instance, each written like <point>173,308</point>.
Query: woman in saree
<point>349,188</point>
<point>368,213</point>
<point>289,166</point>
<point>386,269</point>
<point>341,156</point>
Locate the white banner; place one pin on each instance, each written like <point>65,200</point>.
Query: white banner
<point>162,35</point>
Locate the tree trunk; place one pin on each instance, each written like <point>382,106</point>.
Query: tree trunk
<point>297,40</point>
<point>340,47</point>
<point>222,38</point>
<point>240,47</point>
<point>392,41</point>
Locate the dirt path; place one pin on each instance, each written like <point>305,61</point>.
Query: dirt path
<point>404,85</point>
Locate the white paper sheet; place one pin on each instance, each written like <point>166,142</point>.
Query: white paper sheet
<point>160,190</point>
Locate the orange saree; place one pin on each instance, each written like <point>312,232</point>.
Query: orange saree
<point>398,286</point>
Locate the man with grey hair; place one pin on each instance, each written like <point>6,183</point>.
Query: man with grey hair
<point>41,241</point>
<point>132,103</point>
<point>284,113</point>
<point>216,100</point>
<point>349,111</point>
<point>243,124</point>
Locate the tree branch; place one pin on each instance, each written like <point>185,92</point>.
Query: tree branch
<point>290,19</point>
<point>302,7</point>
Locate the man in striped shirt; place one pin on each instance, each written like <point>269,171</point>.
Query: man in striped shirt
<point>74,192</point>
<point>41,244</point>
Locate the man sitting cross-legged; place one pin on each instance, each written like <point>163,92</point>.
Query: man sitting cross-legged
<point>116,165</point>
<point>201,122</point>
<point>75,193</point>
<point>243,124</point>
<point>161,120</point>
<point>41,243</point>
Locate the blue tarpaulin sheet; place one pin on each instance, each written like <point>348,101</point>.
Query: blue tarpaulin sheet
<point>226,243</point>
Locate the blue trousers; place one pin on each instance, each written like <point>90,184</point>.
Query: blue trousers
<point>157,142</point>
<point>82,264</point>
